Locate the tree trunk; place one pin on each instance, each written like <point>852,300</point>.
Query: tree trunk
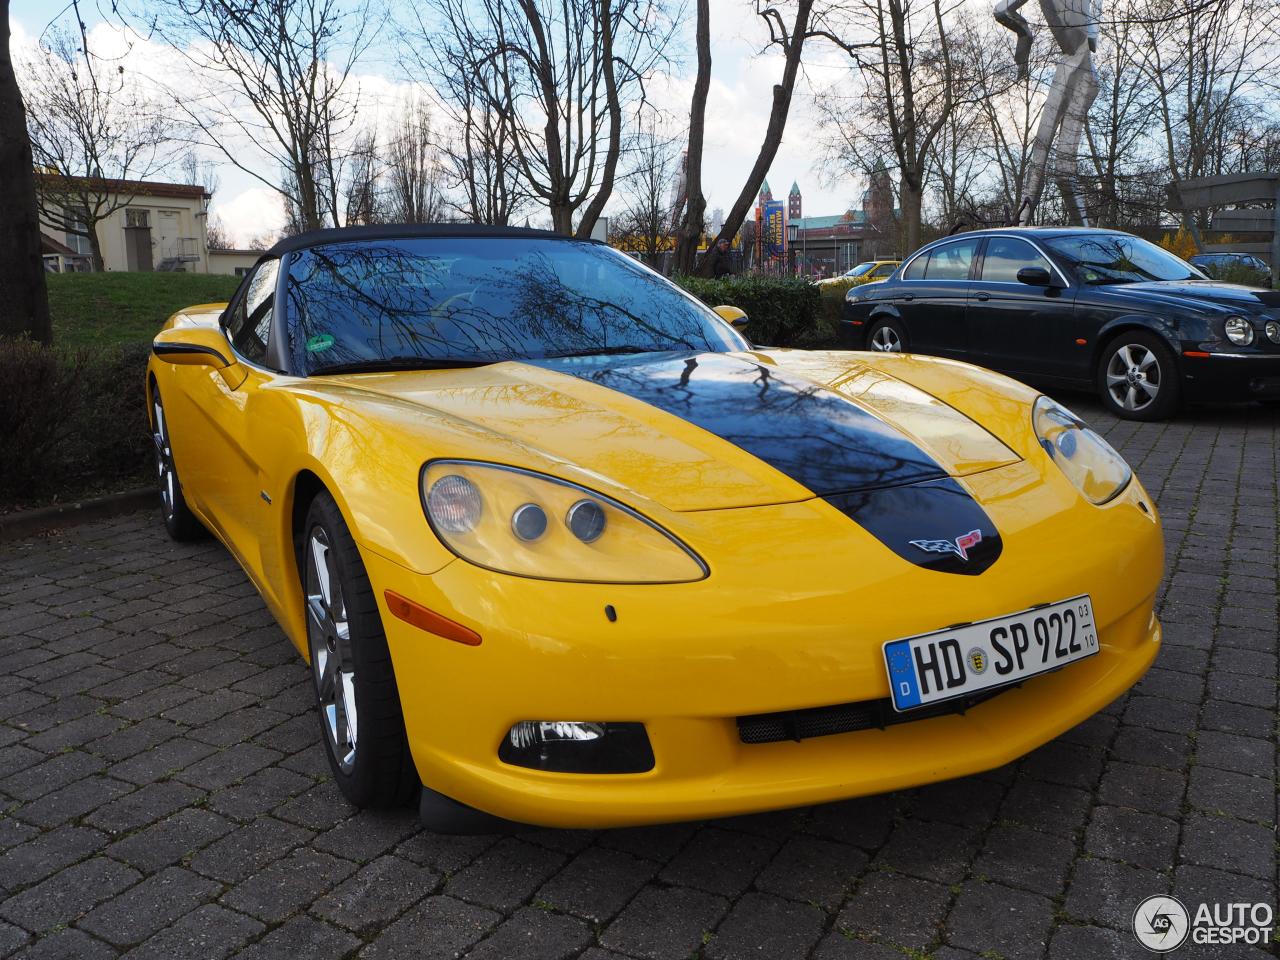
<point>695,208</point>
<point>772,137</point>
<point>912,194</point>
<point>24,308</point>
<point>562,218</point>
<point>95,249</point>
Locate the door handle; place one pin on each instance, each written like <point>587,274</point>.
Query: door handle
<point>984,296</point>
<point>908,296</point>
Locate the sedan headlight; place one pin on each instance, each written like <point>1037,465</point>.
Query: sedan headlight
<point>1088,461</point>
<point>1273,331</point>
<point>532,525</point>
<point>1239,331</point>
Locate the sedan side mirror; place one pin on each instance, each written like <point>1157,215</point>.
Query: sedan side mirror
<point>192,346</point>
<point>734,316</point>
<point>1034,276</point>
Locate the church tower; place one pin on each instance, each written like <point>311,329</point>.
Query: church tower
<point>793,202</point>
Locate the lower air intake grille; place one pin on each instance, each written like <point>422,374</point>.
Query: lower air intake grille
<point>844,718</point>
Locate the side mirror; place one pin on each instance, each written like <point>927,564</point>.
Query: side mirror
<point>734,316</point>
<point>192,346</point>
<point>1034,276</point>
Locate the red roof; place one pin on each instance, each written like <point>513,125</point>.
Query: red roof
<point>142,188</point>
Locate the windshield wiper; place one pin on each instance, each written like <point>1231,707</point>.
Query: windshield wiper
<point>400,363</point>
<point>599,351</point>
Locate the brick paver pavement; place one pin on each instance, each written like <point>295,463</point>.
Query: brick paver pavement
<point>164,793</point>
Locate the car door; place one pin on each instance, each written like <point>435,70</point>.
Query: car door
<point>1016,327</point>
<point>225,472</point>
<point>932,297</point>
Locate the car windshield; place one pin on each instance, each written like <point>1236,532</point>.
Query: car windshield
<point>860,269</point>
<point>449,301</point>
<point>1100,258</point>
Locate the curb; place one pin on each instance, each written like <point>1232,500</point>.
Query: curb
<point>26,523</point>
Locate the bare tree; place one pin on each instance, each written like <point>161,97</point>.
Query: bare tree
<point>361,190</point>
<point>646,188</point>
<point>218,237</point>
<point>277,85</point>
<point>414,189</point>
<point>93,135</point>
<point>24,309</point>
<point>693,221</point>
<point>560,76</point>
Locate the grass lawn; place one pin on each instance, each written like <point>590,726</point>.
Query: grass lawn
<point>101,309</point>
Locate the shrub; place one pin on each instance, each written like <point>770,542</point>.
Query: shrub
<point>73,422</point>
<point>832,293</point>
<point>782,311</point>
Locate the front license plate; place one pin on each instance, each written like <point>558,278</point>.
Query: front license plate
<point>962,660</point>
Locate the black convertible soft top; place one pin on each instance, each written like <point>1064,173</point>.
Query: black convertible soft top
<point>388,231</point>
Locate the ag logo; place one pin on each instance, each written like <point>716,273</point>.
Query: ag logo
<point>1161,923</point>
<point>977,658</point>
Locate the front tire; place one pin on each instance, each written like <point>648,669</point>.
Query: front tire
<point>1137,377</point>
<point>179,521</point>
<point>356,695</point>
<point>888,336</point>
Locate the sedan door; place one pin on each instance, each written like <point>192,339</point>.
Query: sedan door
<point>1026,329</point>
<point>932,297</point>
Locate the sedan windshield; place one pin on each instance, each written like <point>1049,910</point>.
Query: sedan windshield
<point>1100,258</point>
<point>860,269</point>
<point>429,302</point>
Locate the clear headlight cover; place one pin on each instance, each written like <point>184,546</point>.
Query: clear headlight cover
<point>1088,461</point>
<point>1239,331</point>
<point>533,525</point>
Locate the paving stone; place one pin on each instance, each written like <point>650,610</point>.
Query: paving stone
<point>968,802</point>
<point>1142,787</point>
<point>376,894</point>
<point>505,875</point>
<point>841,946</point>
<point>533,934</point>
<point>596,884</point>
<point>73,800</point>
<point>1152,747</point>
<point>47,853</point>
<point>998,919</point>
<point>1194,885</point>
<point>719,861</point>
<point>1090,943</point>
<point>1233,845</point>
<point>864,822</point>
<point>760,926</point>
<point>319,808</point>
<point>1233,794</point>
<point>934,851</point>
<point>439,928</point>
<point>227,766</point>
<point>144,806</point>
<point>1157,713</point>
<point>442,852</point>
<point>11,938</point>
<point>149,907</point>
<point>47,776</point>
<point>258,793</point>
<point>1143,839</point>
<point>1229,751</point>
<point>247,850</point>
<point>1237,718</point>
<point>68,944</point>
<point>302,937</point>
<point>813,870</point>
<point>161,761</point>
<point>288,885</point>
<point>665,923</point>
<point>1105,892</point>
<point>369,835</point>
<point>1022,857</point>
<point>208,933</point>
<point>67,894</point>
<point>1046,807</point>
<point>875,911</point>
<point>170,840</point>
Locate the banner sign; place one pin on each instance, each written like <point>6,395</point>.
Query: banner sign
<point>775,231</point>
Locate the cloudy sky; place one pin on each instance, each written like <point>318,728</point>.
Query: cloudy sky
<point>737,111</point>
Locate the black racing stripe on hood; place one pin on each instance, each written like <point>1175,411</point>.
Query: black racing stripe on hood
<point>935,524</point>
<point>813,435</point>
<point>864,467</point>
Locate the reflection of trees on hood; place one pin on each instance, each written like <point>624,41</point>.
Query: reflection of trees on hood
<point>383,300</point>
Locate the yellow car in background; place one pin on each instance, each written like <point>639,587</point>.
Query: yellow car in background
<point>869,272</point>
<point>561,547</point>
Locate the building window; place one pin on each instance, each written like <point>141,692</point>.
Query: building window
<point>243,271</point>
<point>75,219</point>
<point>137,218</point>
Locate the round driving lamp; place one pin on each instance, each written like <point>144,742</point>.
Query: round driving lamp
<point>454,504</point>
<point>1273,331</point>
<point>1239,331</point>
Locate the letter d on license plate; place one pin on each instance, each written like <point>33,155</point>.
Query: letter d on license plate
<point>978,656</point>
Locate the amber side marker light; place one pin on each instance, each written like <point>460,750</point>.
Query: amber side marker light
<point>402,608</point>
<point>1194,353</point>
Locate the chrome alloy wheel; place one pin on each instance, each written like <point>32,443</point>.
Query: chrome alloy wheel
<point>329,635</point>
<point>1134,377</point>
<point>886,340</point>
<point>164,457</point>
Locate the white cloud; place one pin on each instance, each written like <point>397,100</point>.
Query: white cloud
<point>249,213</point>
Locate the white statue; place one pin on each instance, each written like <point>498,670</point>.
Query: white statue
<point>1074,24</point>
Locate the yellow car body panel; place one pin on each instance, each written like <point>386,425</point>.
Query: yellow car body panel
<point>881,270</point>
<point>793,614</point>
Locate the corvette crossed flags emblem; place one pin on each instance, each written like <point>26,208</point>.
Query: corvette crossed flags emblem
<point>960,546</point>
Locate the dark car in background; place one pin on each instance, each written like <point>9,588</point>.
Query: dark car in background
<point>1077,307</point>
<point>1234,267</point>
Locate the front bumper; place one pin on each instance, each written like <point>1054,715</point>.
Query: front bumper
<point>1229,376</point>
<point>785,627</point>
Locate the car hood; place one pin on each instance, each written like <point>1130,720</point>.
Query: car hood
<point>700,431</point>
<point>1199,293</point>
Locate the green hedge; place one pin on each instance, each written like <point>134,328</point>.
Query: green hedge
<point>783,312</point>
<point>73,422</point>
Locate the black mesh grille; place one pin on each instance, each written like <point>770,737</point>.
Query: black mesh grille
<point>845,718</point>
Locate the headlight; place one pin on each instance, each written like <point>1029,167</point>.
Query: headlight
<point>532,525</point>
<point>1088,461</point>
<point>1273,331</point>
<point>1239,331</point>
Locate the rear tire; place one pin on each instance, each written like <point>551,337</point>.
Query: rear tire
<point>179,521</point>
<point>888,336</point>
<point>357,700</point>
<point>1137,377</point>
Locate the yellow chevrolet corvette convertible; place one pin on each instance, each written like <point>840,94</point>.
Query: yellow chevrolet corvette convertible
<point>562,547</point>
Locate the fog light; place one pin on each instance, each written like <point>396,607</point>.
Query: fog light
<point>1273,331</point>
<point>572,746</point>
